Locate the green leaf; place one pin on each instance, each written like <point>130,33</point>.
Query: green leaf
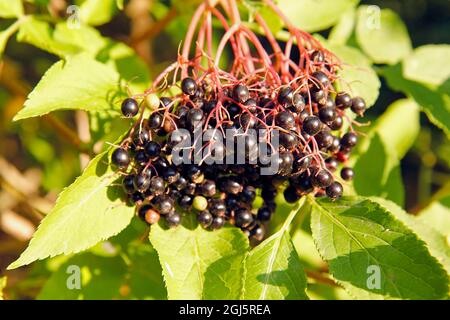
<point>342,31</point>
<point>357,75</point>
<point>436,242</point>
<point>273,269</point>
<point>88,211</point>
<point>97,12</point>
<point>100,278</point>
<point>313,15</point>
<point>2,286</point>
<point>382,34</point>
<point>78,83</point>
<point>11,8</point>
<point>40,34</point>
<point>428,64</point>
<point>356,236</point>
<point>435,103</point>
<point>437,216</point>
<point>387,142</point>
<point>200,264</point>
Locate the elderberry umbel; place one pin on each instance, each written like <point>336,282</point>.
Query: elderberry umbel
<point>199,112</point>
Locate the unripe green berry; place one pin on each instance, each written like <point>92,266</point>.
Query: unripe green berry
<point>200,203</point>
<point>152,101</point>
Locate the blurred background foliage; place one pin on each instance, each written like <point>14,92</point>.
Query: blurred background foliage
<point>40,156</point>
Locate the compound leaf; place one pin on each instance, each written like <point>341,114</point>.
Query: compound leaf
<point>88,211</point>
<point>273,269</point>
<point>382,34</point>
<point>372,254</point>
<point>200,264</point>
<point>78,83</point>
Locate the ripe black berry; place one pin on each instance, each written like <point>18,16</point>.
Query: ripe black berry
<point>317,56</point>
<point>264,214</point>
<point>205,219</point>
<point>347,173</point>
<point>301,162</point>
<point>290,195</point>
<point>165,204</point>
<point>332,164</point>
<point>241,93</point>
<point>188,86</point>
<point>157,186</point>
<point>312,125</point>
<point>217,207</point>
<point>288,140</point>
<point>248,194</point>
<point>155,120</point>
<point>243,218</point>
<point>322,78</point>
<point>185,201</point>
<point>208,188</point>
<point>258,233</point>
<point>334,190</point>
<point>358,105</point>
<point>285,120</point>
<point>349,140</point>
<point>322,179</point>
<point>173,219</point>
<point>152,149</point>
<point>343,100</point>
<point>170,175</point>
<point>120,158</point>
<point>140,157</point>
<point>324,139</point>
<point>217,223</point>
<point>336,124</point>
<point>286,96</point>
<point>327,114</point>
<point>130,107</point>
<point>194,117</point>
<point>128,184</point>
<point>141,182</point>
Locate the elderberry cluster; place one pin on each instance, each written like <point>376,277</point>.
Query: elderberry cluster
<point>314,138</point>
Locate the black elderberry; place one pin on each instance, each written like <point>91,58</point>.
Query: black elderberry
<point>243,218</point>
<point>336,124</point>
<point>248,194</point>
<point>194,118</point>
<point>332,163</point>
<point>285,120</point>
<point>258,233</point>
<point>247,120</point>
<point>327,114</point>
<point>208,188</point>
<point>152,149</point>
<point>304,183</point>
<point>312,125</point>
<point>334,190</point>
<point>301,162</point>
<point>335,145</point>
<point>185,201</point>
<point>285,162</point>
<point>347,173</point>
<point>343,100</point>
<point>329,103</point>
<point>140,157</point>
<point>136,197</point>
<point>288,139</point>
<point>217,207</point>
<point>181,183</point>
<point>303,115</point>
<point>286,96</point>
<point>264,214</point>
<point>141,137</point>
<point>317,56</point>
<point>165,204</point>
<point>120,158</point>
<point>188,86</point>
<point>209,106</point>
<point>157,186</point>
<point>217,223</point>
<point>349,140</point>
<point>358,105</point>
<point>205,218</point>
<point>324,139</point>
<point>155,120</point>
<point>130,107</point>
<point>173,219</point>
<point>231,186</point>
<point>141,182</point>
<point>170,175</point>
<point>190,188</point>
<point>322,179</point>
<point>128,184</point>
<point>192,172</point>
<point>322,78</point>
<point>290,194</point>
<point>318,95</point>
<point>298,102</point>
<point>241,93</point>
<point>251,105</point>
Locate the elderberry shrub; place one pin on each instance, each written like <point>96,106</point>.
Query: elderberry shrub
<point>315,140</point>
